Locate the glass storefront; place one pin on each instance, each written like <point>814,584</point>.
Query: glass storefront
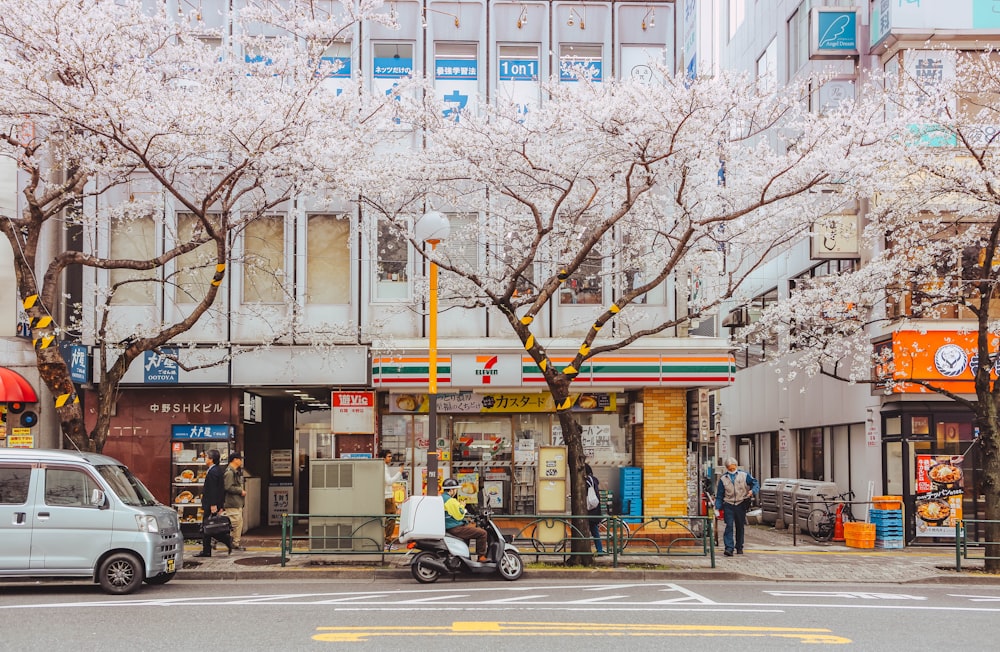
<point>497,452</point>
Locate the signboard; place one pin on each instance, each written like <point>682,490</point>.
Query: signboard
<point>188,431</point>
<point>512,403</point>
<point>945,358</point>
<point>279,501</point>
<point>281,462</point>
<point>20,438</point>
<point>353,413</point>
<point>76,359</point>
<point>159,369</point>
<point>939,490</point>
<point>596,438</point>
<point>833,32</point>
<point>456,82</point>
<point>485,371</point>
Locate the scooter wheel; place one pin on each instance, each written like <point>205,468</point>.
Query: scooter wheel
<point>421,572</point>
<point>510,566</point>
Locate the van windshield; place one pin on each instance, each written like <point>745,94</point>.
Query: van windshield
<point>126,486</point>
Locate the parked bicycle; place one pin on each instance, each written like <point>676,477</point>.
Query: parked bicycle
<point>822,521</point>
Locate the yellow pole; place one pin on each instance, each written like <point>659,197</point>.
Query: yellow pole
<point>432,381</point>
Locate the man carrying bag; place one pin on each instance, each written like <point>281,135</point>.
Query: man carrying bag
<point>213,523</point>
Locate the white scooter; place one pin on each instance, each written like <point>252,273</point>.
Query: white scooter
<point>449,555</point>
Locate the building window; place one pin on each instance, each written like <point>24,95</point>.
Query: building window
<point>757,349</point>
<point>195,268</point>
<point>767,68</point>
<point>328,259</point>
<point>737,12</point>
<point>578,61</point>
<point>461,248</point>
<point>133,238</point>
<point>586,285</point>
<point>798,40</point>
<point>811,454</point>
<point>456,76</point>
<point>264,260</point>
<point>391,263</point>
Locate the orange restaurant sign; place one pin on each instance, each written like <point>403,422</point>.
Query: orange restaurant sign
<point>944,358</point>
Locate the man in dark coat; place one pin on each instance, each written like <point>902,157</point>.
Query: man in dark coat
<point>212,497</point>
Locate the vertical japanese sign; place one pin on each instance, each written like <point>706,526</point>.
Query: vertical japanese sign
<point>939,490</point>
<point>353,413</point>
<point>456,82</point>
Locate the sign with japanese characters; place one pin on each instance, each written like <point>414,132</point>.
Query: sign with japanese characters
<point>160,369</point>
<point>573,69</point>
<point>456,82</point>
<point>939,491</point>
<point>279,501</point>
<point>353,412</point>
<point>189,431</point>
<point>519,82</point>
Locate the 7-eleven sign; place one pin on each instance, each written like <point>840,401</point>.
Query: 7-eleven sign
<point>486,370</point>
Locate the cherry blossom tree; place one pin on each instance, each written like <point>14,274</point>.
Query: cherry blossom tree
<point>675,183</point>
<point>932,243</point>
<point>119,113</point>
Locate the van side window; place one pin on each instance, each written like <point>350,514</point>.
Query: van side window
<point>14,485</point>
<point>68,487</point>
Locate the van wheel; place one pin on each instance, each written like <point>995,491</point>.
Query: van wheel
<point>162,578</point>
<point>120,574</point>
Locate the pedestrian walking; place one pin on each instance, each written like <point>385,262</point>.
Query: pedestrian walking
<point>212,501</point>
<point>390,496</point>
<point>733,497</point>
<point>236,496</point>
<point>594,495</point>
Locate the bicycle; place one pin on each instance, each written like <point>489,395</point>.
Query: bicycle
<point>822,521</point>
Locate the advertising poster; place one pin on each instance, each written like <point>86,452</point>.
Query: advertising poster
<point>939,489</point>
<point>279,501</point>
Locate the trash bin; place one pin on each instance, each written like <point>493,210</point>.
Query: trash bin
<point>787,500</point>
<point>807,492</point>
<point>769,499</point>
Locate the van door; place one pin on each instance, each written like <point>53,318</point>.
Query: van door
<point>15,516</point>
<point>70,531</point>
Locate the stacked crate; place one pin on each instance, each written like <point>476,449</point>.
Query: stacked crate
<point>888,520</point>
<point>859,535</point>
<point>630,491</point>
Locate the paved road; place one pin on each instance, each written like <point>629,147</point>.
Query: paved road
<point>496,615</point>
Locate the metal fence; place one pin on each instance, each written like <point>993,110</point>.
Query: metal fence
<point>622,537</point>
<point>962,543</point>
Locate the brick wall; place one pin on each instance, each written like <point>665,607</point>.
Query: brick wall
<point>661,451</point>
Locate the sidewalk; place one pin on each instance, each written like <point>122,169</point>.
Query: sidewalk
<point>770,555</point>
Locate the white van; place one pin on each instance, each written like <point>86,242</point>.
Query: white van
<point>68,514</point>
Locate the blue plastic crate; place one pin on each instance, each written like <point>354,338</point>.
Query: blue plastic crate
<point>889,544</point>
<point>884,515</point>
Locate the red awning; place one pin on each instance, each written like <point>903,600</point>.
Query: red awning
<point>14,388</point>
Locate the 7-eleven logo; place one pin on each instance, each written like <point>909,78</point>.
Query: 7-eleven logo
<point>489,369</point>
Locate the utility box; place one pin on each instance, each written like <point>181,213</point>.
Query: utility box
<point>353,492</point>
<point>421,517</point>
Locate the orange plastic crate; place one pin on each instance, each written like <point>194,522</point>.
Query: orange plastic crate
<point>860,543</point>
<point>857,530</point>
<point>887,502</point>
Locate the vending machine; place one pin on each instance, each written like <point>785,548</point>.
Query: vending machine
<point>188,445</point>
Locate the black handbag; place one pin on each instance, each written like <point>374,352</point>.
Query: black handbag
<point>216,525</point>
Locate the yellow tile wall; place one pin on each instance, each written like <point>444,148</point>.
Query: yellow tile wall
<point>661,451</point>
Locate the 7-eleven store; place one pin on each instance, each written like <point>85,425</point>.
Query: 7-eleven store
<point>495,415</point>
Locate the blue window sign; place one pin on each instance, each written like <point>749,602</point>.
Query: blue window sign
<point>77,359</point>
<point>834,32</point>
<point>200,431</point>
<point>159,369</point>
<point>392,67</point>
<point>456,69</point>
<point>518,69</point>
<point>570,68</point>
<point>340,67</point>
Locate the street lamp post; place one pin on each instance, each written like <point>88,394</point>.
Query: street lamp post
<point>432,228</point>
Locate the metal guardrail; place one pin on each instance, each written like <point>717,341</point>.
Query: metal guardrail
<point>537,534</point>
<point>962,542</point>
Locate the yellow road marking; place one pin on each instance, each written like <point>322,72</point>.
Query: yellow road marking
<point>475,628</point>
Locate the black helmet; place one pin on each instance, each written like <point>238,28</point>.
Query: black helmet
<point>449,483</point>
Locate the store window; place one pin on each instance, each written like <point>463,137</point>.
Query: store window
<point>461,248</point>
<point>392,279</point>
<point>811,454</point>
<point>133,238</point>
<point>580,61</point>
<point>328,259</point>
<point>264,260</point>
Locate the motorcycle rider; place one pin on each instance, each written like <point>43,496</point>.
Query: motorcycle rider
<point>454,519</point>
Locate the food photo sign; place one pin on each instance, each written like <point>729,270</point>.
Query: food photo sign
<point>939,485</point>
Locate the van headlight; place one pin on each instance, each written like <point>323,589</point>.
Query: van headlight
<point>147,523</point>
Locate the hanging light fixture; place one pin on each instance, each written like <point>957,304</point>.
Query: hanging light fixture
<point>574,16</point>
<point>649,20</point>
<point>522,19</point>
